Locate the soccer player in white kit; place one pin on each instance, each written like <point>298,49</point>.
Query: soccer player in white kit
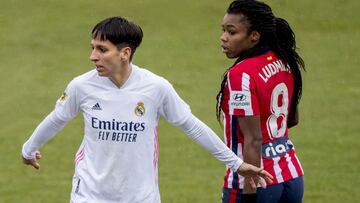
<point>121,104</point>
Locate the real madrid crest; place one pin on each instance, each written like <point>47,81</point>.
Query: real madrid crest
<point>140,109</point>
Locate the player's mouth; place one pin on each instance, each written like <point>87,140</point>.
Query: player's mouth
<point>100,68</point>
<point>225,49</point>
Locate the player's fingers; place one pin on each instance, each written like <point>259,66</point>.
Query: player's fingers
<point>35,164</point>
<point>267,176</point>
<point>262,182</point>
<point>32,163</point>
<point>252,183</point>
<point>37,155</point>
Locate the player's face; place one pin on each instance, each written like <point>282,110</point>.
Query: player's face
<point>236,37</point>
<point>107,58</point>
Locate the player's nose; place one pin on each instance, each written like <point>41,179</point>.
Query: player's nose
<point>223,37</point>
<point>93,56</point>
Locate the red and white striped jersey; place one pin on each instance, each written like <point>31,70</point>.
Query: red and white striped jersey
<point>262,85</point>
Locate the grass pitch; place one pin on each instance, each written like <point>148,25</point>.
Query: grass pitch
<point>44,44</point>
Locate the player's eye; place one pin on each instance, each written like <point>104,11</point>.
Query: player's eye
<point>102,49</point>
<point>231,32</point>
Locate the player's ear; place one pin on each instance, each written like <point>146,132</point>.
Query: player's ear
<point>125,53</point>
<point>255,36</point>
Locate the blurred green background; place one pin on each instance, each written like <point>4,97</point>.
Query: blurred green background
<point>44,44</point>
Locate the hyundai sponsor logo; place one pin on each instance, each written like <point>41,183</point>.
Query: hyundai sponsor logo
<point>239,97</point>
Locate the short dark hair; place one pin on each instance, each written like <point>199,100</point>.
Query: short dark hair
<point>120,32</point>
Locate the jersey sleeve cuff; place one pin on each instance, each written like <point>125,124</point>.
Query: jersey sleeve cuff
<point>26,155</point>
<point>237,165</point>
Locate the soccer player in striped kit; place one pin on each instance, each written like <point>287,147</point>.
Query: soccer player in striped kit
<point>121,104</point>
<point>258,101</point>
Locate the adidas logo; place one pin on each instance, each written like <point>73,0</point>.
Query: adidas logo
<point>96,107</point>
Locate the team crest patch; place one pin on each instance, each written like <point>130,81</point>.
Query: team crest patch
<point>269,58</point>
<point>140,109</point>
<point>63,98</point>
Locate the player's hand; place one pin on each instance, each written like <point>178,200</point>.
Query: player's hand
<point>33,162</point>
<point>254,175</point>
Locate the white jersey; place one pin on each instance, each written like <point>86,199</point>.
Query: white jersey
<point>117,159</point>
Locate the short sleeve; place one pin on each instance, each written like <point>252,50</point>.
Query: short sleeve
<point>67,106</point>
<point>172,107</point>
<point>242,93</point>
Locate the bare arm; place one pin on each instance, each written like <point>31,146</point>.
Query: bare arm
<point>250,127</point>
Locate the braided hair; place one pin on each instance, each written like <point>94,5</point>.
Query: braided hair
<point>275,35</point>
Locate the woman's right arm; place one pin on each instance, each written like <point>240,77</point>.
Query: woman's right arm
<point>66,108</point>
<point>44,132</point>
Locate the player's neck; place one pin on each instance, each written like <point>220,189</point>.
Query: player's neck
<point>120,77</point>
